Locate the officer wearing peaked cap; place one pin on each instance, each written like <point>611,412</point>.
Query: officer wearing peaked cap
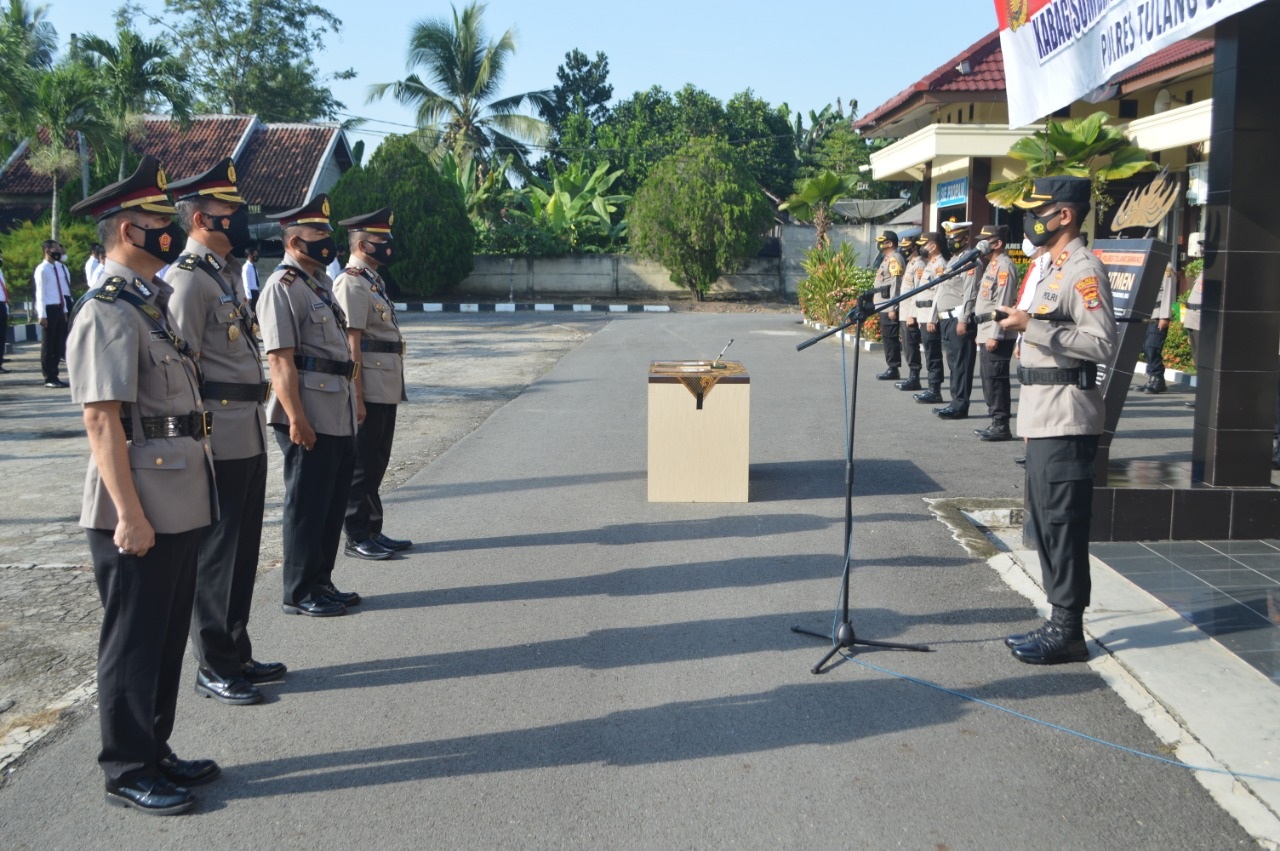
<point>911,278</point>
<point>953,309</point>
<point>888,285</point>
<point>148,494</point>
<point>376,343</point>
<point>936,255</point>
<point>312,407</point>
<point>1060,409</point>
<point>998,289</point>
<point>222,332</point>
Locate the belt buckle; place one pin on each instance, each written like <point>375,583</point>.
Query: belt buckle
<point>404,348</point>
<point>201,423</point>
<point>354,371</point>
<point>266,390</point>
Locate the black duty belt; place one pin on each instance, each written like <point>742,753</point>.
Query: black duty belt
<point>345,368</point>
<point>382,346</point>
<point>1085,377</point>
<point>226,392</point>
<point>884,291</point>
<point>197,424</point>
<point>928,303</point>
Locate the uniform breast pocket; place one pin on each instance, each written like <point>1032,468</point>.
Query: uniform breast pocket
<point>224,328</point>
<point>321,382</point>
<point>166,375</point>
<point>321,328</point>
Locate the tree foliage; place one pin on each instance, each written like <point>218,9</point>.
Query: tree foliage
<point>27,45</point>
<point>812,203</point>
<point>67,101</point>
<point>700,213</point>
<point>577,105</point>
<point>576,208</point>
<point>433,236</point>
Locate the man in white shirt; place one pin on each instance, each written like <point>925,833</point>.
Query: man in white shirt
<point>249,277</point>
<point>53,293</point>
<point>93,266</point>
<point>4,314</point>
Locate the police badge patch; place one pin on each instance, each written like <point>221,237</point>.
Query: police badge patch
<point>1088,289</point>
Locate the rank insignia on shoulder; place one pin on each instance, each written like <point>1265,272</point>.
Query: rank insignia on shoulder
<point>110,289</point>
<point>142,288</point>
<point>188,262</point>
<point>289,276</point>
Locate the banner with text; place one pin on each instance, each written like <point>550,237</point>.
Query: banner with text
<point>1057,51</point>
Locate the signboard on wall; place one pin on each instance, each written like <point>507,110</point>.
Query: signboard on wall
<point>953,192</point>
<point>1058,51</point>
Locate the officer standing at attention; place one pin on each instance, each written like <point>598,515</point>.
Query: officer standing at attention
<point>910,328</point>
<point>1157,332</point>
<point>377,345</point>
<point>312,408</point>
<point>888,285</point>
<point>935,265</point>
<point>953,307</point>
<point>1060,410</point>
<point>998,289</point>
<point>222,332</point>
<point>149,491</point>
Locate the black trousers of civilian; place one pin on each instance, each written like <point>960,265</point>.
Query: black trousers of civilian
<point>1060,501</point>
<point>227,567</point>
<point>961,354</point>
<point>889,338</point>
<point>931,342</point>
<point>996,388</point>
<point>146,603</point>
<point>4,329</point>
<point>1153,347</point>
<point>53,341</point>
<point>910,336</point>
<point>316,484</point>
<point>373,453</point>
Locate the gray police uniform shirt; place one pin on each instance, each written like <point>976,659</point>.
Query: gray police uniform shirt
<point>219,328</point>
<point>955,295</point>
<point>998,288</point>
<point>927,301</point>
<point>888,284</point>
<point>298,311</point>
<point>1075,286</point>
<point>1191,316</point>
<point>115,353</point>
<point>363,296</point>
<point>911,278</point>
<point>1164,301</point>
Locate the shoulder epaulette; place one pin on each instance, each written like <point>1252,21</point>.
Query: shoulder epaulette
<point>188,262</point>
<point>110,289</point>
<point>289,276</point>
<point>351,270</point>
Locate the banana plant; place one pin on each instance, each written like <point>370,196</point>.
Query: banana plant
<point>575,204</point>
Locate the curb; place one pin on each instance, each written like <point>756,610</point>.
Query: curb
<point>537,307</point>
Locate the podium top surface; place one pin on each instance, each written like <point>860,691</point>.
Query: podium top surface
<point>665,371</point>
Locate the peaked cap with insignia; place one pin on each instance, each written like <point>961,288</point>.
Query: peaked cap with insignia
<point>1000,232</point>
<point>887,236</point>
<point>379,222</point>
<point>1062,187</point>
<point>218,182</point>
<point>313,214</point>
<point>143,190</point>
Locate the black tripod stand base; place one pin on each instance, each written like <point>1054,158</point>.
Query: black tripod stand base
<point>845,637</point>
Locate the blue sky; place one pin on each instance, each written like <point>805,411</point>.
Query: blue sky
<point>803,55</point>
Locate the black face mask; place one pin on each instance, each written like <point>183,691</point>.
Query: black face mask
<point>164,244</point>
<point>235,226</point>
<point>55,256</point>
<point>1037,227</point>
<point>380,252</point>
<point>320,250</point>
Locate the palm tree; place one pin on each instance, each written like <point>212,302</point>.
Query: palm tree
<point>462,113</point>
<point>37,37</point>
<point>67,100</point>
<point>136,71</point>
<point>27,45</point>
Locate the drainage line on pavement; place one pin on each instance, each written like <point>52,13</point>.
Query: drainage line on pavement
<point>1236,774</point>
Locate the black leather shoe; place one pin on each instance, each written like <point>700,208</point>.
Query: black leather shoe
<point>911,383</point>
<point>188,772</point>
<point>346,598</point>
<point>1021,462</point>
<point>367,549</point>
<point>995,432</point>
<point>928,397</point>
<point>263,672</point>
<point>320,607</point>
<point>890,374</point>
<point>1052,647</point>
<point>1156,386</point>
<point>151,795</point>
<point>57,385</point>
<point>234,691</point>
<point>1012,641</point>
<point>950,413</point>
<point>396,545</point>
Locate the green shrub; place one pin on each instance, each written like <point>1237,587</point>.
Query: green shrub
<point>833,280</point>
<point>22,253</point>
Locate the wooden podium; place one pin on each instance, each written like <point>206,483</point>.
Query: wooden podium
<point>699,431</point>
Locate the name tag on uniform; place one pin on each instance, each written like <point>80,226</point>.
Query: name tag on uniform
<point>158,335</point>
<point>226,299</point>
<point>319,305</point>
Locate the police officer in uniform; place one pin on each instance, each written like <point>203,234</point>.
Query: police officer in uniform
<point>376,343</point>
<point>936,255</point>
<point>149,492</point>
<point>953,309</point>
<point>222,332</point>
<point>1157,331</point>
<point>1060,410</point>
<point>912,277</point>
<point>888,286</point>
<point>312,408</point>
<point>997,289</point>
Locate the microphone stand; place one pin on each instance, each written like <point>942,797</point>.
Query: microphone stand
<point>843,634</point>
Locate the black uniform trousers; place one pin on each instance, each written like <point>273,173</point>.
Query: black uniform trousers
<point>4,329</point>
<point>1060,501</point>
<point>891,339</point>
<point>910,337</point>
<point>961,354</point>
<point>227,567</point>
<point>1153,347</point>
<point>373,453</point>
<point>931,342</point>
<point>316,483</point>
<point>146,604</point>
<point>996,389</point>
<point>53,341</point>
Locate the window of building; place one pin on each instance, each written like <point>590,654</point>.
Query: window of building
<point>1128,108</point>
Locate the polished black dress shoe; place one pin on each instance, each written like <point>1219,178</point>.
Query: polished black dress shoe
<point>397,545</point>
<point>995,432</point>
<point>928,397</point>
<point>367,549</point>
<point>263,672</point>
<point>188,772</point>
<point>1051,647</point>
<point>1021,462</point>
<point>912,383</point>
<point>57,385</point>
<point>346,598</point>
<point>152,795</point>
<point>950,413</point>
<point>233,691</point>
<point>319,607</point>
<point>1012,641</point>
<point>890,374</point>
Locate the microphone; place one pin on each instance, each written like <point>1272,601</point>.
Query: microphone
<point>982,249</point>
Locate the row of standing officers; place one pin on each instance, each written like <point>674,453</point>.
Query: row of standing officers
<point>166,359</point>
